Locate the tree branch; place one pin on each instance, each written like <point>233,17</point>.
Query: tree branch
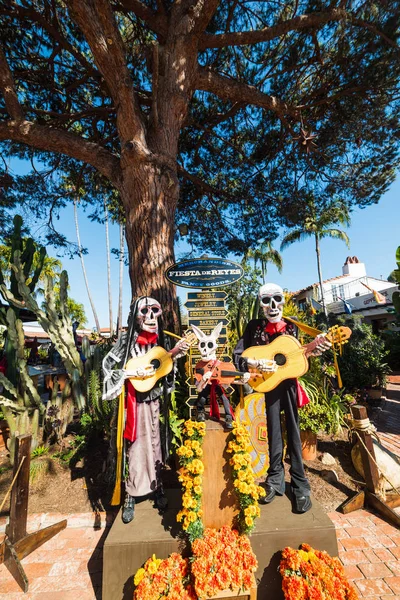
<point>7,87</point>
<point>96,20</point>
<point>313,20</point>
<point>241,38</point>
<point>29,13</point>
<point>154,20</point>
<point>201,184</point>
<point>55,140</point>
<point>236,91</point>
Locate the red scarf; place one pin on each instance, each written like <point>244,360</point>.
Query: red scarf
<point>272,328</point>
<point>146,337</point>
<point>130,412</point>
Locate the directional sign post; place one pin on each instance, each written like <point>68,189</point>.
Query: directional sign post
<point>205,310</point>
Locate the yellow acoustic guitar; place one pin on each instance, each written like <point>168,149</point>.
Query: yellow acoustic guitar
<point>157,359</point>
<point>289,355</point>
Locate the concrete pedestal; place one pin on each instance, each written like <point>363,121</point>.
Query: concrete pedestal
<point>127,547</point>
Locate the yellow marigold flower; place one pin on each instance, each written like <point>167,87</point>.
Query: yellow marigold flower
<point>197,480</point>
<point>192,516</point>
<point>248,521</point>
<point>200,513</point>
<point>303,555</point>
<point>261,491</point>
<point>312,556</point>
<point>139,576</point>
<point>152,568</point>
<point>242,475</point>
<point>197,489</point>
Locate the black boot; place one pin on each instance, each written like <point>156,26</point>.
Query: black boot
<point>270,494</point>
<point>128,512</point>
<point>160,500</point>
<point>201,416</point>
<point>302,504</point>
<point>228,422</point>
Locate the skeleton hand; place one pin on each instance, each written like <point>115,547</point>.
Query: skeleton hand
<point>206,376</point>
<point>318,346</point>
<point>141,372</point>
<point>244,378</point>
<point>180,349</point>
<point>263,364</point>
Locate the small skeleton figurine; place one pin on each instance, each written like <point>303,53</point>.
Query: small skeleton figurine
<point>207,384</point>
<point>287,396</point>
<point>144,452</point>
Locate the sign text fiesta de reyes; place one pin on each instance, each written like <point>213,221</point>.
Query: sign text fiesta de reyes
<point>204,273</point>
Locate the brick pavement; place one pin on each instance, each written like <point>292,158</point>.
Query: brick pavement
<point>69,566</point>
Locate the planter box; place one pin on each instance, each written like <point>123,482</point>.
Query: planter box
<point>375,393</point>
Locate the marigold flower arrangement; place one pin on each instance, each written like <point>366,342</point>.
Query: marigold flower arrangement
<point>310,574</point>
<point>222,560</point>
<point>190,476</point>
<point>244,479</point>
<point>166,579</point>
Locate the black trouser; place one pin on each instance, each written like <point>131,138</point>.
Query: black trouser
<point>205,394</point>
<point>284,397</point>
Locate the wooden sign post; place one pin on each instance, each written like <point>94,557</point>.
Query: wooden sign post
<point>369,495</point>
<point>17,543</point>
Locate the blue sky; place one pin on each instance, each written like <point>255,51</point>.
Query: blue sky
<point>374,236</point>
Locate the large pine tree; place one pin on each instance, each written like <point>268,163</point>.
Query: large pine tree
<point>218,114</point>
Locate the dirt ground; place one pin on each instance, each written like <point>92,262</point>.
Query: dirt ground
<point>83,488</point>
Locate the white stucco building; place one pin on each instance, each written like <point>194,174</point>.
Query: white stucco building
<point>349,286</point>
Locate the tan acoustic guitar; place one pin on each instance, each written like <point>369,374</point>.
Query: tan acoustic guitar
<point>289,355</point>
<point>156,361</point>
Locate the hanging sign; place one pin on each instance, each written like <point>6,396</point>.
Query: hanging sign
<point>207,295</point>
<point>204,273</point>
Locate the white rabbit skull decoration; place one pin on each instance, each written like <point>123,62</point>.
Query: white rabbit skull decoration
<point>208,344</point>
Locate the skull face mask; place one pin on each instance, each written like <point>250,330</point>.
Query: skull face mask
<point>148,311</point>
<point>272,300</point>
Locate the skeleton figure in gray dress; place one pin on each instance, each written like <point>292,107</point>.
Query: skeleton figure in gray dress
<point>142,436</point>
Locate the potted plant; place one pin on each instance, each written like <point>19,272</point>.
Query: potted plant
<point>313,418</point>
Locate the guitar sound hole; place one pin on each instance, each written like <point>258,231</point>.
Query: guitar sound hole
<point>280,359</point>
<point>155,363</point>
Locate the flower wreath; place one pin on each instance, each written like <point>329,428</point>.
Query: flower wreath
<point>309,573</point>
<point>222,560</point>
<point>168,579</point>
<point>243,475</point>
<point>190,476</point>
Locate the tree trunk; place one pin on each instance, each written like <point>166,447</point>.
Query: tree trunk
<point>121,276</point>
<point>110,313</point>
<point>317,250</point>
<point>78,237</point>
<point>150,195</point>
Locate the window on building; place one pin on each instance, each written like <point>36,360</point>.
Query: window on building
<point>341,291</point>
<point>334,293</point>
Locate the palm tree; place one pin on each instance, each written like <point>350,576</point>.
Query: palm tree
<point>78,237</point>
<point>265,253</point>
<point>121,275</point>
<point>110,313</point>
<point>317,224</point>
